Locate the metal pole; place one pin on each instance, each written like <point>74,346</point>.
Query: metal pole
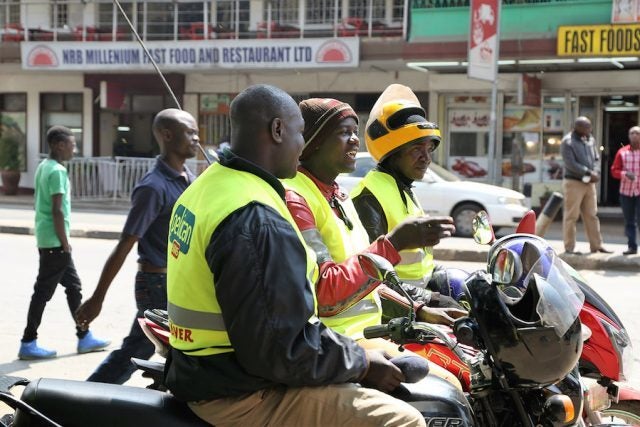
<point>494,104</point>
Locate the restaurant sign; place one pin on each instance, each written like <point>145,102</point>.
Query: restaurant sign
<point>599,40</point>
<point>189,55</point>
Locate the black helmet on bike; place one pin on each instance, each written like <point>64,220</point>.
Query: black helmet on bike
<point>529,311</point>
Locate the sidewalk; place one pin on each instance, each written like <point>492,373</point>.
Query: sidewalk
<point>104,220</point>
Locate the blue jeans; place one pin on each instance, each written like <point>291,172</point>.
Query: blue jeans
<point>631,212</point>
<point>150,292</point>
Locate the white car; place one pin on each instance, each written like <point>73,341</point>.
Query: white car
<point>442,193</point>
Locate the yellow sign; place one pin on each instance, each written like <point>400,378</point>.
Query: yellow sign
<point>599,40</point>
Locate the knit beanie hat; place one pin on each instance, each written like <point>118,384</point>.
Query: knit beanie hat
<point>321,116</point>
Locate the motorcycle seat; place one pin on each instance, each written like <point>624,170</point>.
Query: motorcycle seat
<point>80,404</point>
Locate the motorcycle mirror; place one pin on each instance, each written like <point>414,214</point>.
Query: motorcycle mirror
<point>482,229</point>
<point>374,266</point>
<point>505,267</point>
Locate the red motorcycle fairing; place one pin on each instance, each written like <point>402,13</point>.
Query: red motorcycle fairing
<point>597,350</point>
<point>441,355</point>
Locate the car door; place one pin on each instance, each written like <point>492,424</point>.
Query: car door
<point>431,195</point>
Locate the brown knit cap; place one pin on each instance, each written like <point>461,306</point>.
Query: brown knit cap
<point>321,116</point>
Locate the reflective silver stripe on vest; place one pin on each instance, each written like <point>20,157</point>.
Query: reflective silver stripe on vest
<point>408,258</point>
<point>364,306</point>
<point>418,283</point>
<point>314,240</point>
<point>195,319</point>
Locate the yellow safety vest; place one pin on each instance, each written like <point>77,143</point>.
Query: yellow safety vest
<point>197,326</point>
<point>415,265</point>
<point>341,243</point>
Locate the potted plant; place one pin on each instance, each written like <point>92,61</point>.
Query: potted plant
<point>10,161</point>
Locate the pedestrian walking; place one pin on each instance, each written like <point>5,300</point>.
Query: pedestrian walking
<point>581,173</point>
<point>626,168</point>
<point>147,224</point>
<point>53,209</point>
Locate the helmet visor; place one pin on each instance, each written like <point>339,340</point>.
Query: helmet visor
<point>560,298</point>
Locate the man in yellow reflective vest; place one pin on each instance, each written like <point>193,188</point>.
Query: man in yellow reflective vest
<point>401,140</point>
<point>247,346</point>
<point>330,225</point>
<point>348,300</point>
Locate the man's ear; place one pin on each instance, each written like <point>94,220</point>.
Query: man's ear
<point>276,129</point>
<point>167,135</point>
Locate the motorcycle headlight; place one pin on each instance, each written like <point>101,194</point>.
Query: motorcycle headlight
<point>622,346</point>
<point>511,200</point>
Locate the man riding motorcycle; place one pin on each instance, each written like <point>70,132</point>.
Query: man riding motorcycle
<point>247,347</point>
<point>347,299</point>
<point>399,137</point>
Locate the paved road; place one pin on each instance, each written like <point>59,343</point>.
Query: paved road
<point>19,266</point>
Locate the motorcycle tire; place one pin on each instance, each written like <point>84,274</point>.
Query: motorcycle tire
<point>626,410</point>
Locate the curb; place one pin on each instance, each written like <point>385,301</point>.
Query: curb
<point>579,262</point>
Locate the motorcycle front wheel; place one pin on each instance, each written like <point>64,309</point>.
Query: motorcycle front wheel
<point>627,411</point>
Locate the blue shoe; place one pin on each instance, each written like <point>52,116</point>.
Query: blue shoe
<point>90,343</point>
<point>31,351</point>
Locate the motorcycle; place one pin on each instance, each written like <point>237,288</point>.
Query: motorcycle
<point>520,363</point>
<point>606,356</point>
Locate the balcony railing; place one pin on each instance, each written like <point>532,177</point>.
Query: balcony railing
<point>78,20</point>
<point>425,4</point>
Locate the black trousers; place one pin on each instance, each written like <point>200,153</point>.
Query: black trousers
<point>56,267</point>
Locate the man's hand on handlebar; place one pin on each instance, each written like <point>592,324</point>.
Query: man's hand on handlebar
<point>419,232</point>
<point>381,374</point>
<point>441,316</point>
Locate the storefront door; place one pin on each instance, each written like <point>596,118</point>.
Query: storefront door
<point>620,113</point>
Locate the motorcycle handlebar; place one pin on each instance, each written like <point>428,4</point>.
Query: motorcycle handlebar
<point>378,331</point>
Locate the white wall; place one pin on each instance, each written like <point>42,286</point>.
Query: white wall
<point>13,79</point>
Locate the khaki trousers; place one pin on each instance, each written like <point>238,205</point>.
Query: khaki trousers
<point>580,199</point>
<point>331,405</point>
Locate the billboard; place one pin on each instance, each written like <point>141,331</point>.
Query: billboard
<point>483,39</point>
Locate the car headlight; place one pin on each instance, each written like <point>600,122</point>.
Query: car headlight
<point>622,346</point>
<point>511,200</point>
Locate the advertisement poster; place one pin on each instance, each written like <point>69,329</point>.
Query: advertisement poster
<point>553,120</point>
<point>483,39</point>
<point>623,11</point>
<point>521,119</point>
<point>469,168</point>
<point>464,120</point>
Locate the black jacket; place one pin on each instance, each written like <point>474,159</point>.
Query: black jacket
<point>370,211</point>
<point>258,263</point>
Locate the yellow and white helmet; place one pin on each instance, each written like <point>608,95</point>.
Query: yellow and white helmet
<point>396,123</point>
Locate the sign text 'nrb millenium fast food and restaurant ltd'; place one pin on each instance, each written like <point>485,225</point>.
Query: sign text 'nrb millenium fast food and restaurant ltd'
<point>599,40</point>
<point>189,55</point>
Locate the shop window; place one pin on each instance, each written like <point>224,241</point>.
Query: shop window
<point>521,148</point>
<point>9,12</point>
<point>360,9</point>
<point>321,12</point>
<point>282,12</point>
<point>468,143</point>
<point>63,109</point>
<point>59,15</point>
<point>13,120</point>
<point>213,119</point>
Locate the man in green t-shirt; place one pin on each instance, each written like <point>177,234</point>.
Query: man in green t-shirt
<point>53,206</point>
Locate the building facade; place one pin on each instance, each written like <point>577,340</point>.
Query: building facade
<point>79,64</point>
